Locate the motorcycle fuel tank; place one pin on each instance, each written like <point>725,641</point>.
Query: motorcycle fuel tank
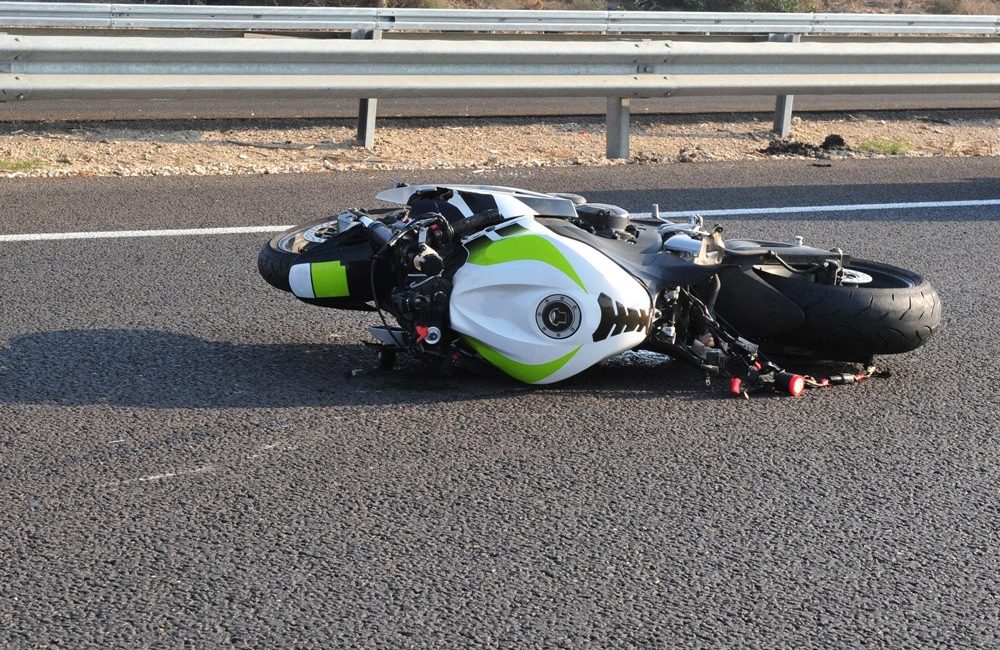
<point>542,307</point>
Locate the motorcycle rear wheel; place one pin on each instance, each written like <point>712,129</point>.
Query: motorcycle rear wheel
<point>895,311</point>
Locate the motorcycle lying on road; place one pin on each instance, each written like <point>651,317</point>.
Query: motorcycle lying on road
<point>544,286</point>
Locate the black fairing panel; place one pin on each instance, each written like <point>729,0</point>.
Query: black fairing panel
<point>354,251</point>
<point>642,259</point>
<point>753,307</point>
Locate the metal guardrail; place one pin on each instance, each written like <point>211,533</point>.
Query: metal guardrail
<point>74,67</point>
<point>301,19</point>
<point>88,67</point>
<point>370,23</point>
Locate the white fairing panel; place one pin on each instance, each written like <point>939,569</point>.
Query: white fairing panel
<point>510,201</point>
<point>542,307</point>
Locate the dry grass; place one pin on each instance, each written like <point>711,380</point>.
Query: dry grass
<point>887,146</point>
<point>15,165</point>
<point>977,7</point>
<point>576,5</point>
<point>981,7</point>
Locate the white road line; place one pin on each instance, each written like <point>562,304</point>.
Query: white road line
<point>160,477</point>
<point>728,212</point>
<point>860,207</point>
<point>112,234</point>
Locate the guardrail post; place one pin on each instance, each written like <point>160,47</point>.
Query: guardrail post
<point>783,105</point>
<point>367,107</point>
<point>618,125</point>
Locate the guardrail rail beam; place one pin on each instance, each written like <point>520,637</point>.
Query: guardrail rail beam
<point>86,16</point>
<point>130,67</point>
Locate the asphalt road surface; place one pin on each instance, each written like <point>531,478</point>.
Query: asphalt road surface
<point>184,461</point>
<point>319,108</point>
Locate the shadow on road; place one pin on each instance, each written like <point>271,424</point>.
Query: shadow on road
<point>156,369</point>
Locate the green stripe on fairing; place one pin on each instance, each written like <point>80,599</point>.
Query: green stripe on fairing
<point>521,248</point>
<point>526,372</point>
<point>329,279</point>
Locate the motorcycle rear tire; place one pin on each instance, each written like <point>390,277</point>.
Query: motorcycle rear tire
<point>898,311</point>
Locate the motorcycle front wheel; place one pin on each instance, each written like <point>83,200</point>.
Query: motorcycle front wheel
<point>277,255</point>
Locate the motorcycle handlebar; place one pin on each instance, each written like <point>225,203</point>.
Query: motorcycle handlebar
<point>379,233</point>
<point>476,222</point>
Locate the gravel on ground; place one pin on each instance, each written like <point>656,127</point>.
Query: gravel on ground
<point>274,146</point>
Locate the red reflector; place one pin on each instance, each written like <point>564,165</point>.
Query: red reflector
<point>421,333</point>
<point>736,386</point>
<point>796,385</point>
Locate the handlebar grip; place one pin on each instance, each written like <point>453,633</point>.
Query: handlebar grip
<point>379,233</point>
<point>477,221</point>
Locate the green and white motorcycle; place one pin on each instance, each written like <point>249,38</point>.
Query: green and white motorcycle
<point>544,286</point>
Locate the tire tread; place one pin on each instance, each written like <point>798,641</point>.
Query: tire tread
<point>274,265</point>
<point>862,322</point>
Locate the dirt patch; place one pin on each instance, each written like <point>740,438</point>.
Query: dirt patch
<point>832,145</point>
<point>212,147</point>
